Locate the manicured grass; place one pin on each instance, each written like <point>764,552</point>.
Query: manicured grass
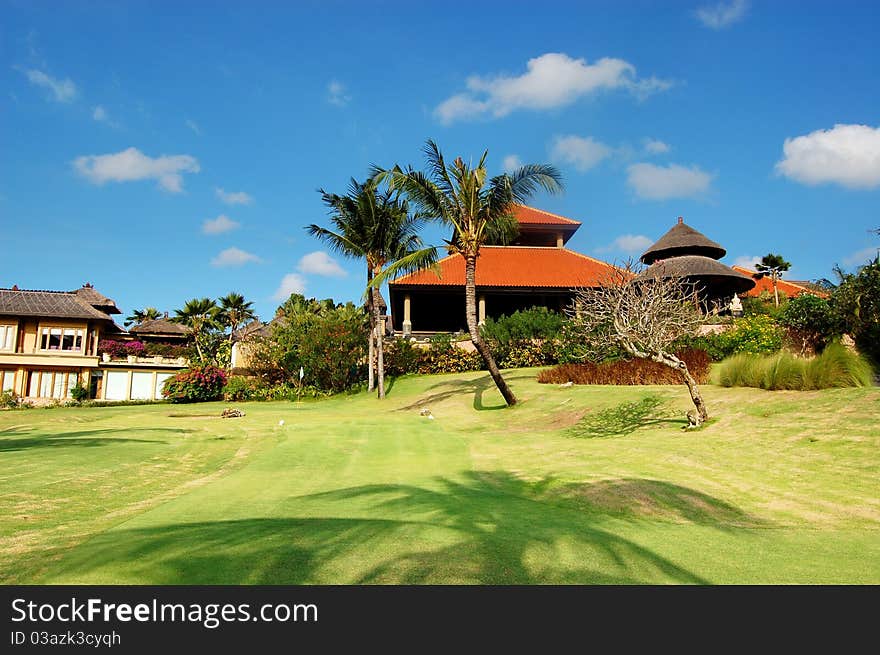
<point>576,485</point>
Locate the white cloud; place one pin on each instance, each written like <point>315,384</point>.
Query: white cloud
<point>219,225</point>
<point>336,94</point>
<point>747,261</point>
<point>581,152</point>
<point>723,14</point>
<point>511,163</point>
<point>290,283</point>
<point>61,90</point>
<point>233,197</point>
<point>861,257</point>
<point>663,182</point>
<point>628,243</point>
<point>320,263</point>
<point>191,124</point>
<point>100,114</point>
<point>550,81</point>
<point>131,164</point>
<point>848,155</point>
<point>655,146</point>
<point>234,257</point>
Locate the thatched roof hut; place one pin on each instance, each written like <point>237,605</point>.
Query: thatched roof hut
<point>682,239</point>
<point>684,252</point>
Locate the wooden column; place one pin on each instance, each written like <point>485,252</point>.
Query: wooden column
<point>407,317</point>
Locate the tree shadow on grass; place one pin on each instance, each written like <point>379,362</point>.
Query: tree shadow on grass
<point>625,419</point>
<point>477,386</point>
<point>482,528</point>
<point>78,438</point>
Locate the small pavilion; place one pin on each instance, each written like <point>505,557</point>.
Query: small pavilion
<point>684,252</point>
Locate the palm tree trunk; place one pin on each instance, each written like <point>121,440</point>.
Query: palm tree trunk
<point>775,289</point>
<point>371,353</point>
<point>380,338</point>
<point>232,327</point>
<point>470,298</point>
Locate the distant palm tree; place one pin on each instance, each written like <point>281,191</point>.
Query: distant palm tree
<point>234,311</point>
<point>774,266</point>
<point>138,316</point>
<point>375,225</point>
<point>479,210</point>
<point>200,314</point>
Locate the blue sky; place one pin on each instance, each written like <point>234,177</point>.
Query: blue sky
<point>164,151</point>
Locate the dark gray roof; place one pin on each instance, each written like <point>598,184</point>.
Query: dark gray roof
<point>160,326</point>
<point>55,304</point>
<point>700,269</point>
<point>89,294</point>
<point>682,239</point>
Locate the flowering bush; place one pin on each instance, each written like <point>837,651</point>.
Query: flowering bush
<point>195,385</point>
<point>120,348</point>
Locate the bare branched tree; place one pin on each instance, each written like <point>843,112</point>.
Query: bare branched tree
<point>644,317</point>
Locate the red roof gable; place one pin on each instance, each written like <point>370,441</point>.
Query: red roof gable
<point>517,267</point>
<point>531,216</point>
<point>764,283</point>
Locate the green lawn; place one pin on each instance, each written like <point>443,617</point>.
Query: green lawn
<point>781,487</point>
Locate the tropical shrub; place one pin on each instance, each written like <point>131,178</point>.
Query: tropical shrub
<point>79,393</point>
<point>855,305</point>
<point>8,399</point>
<point>196,384</point>
<point>763,304</point>
<point>239,388</point>
<point>809,321</point>
<point>629,371</point>
<point>443,356</point>
<point>837,366</point>
<point>758,334</point>
<point>167,349</point>
<point>326,341</point>
<point>401,357</point>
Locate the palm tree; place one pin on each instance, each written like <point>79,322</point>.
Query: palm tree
<point>200,314</point>
<point>773,265</point>
<point>138,316</point>
<point>375,225</point>
<point>479,210</point>
<point>234,311</point>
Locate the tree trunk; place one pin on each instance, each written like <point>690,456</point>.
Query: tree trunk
<point>775,289</point>
<point>674,362</point>
<point>470,297</point>
<point>232,327</point>
<point>372,334</point>
<point>379,329</point>
<point>702,413</point>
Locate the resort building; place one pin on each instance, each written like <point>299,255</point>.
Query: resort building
<point>49,343</point>
<point>536,270</point>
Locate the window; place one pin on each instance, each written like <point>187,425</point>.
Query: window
<point>7,380</point>
<point>64,339</point>
<point>7,337</point>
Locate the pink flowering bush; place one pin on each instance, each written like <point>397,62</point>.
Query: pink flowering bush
<point>195,385</point>
<point>119,349</point>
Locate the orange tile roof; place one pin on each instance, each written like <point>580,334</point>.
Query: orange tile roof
<point>764,283</point>
<point>531,216</point>
<point>517,267</point>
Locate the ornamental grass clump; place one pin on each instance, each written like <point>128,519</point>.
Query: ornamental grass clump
<point>836,367</point>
